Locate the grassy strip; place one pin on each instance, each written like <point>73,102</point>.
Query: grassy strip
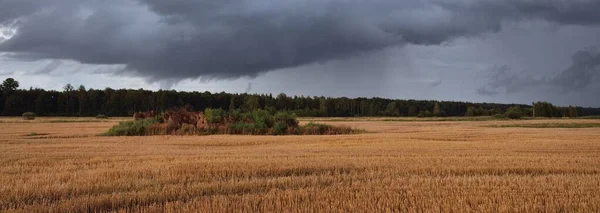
<point>549,125</point>
<point>36,134</point>
<point>132,128</point>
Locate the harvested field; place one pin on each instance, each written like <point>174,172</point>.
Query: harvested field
<point>417,166</point>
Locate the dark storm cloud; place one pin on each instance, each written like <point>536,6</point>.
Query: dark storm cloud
<point>177,39</point>
<point>583,72</point>
<point>503,77</point>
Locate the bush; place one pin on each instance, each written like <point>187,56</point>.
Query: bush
<point>241,128</point>
<point>287,118</point>
<point>514,112</point>
<point>187,129</point>
<point>29,116</point>
<point>280,128</point>
<point>132,128</point>
<point>214,116</point>
<point>101,116</point>
<point>324,129</point>
<point>425,114</point>
<point>263,119</point>
<point>500,116</point>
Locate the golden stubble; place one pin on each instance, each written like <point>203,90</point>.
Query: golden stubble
<point>461,166</point>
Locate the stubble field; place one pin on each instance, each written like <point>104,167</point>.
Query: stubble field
<point>399,166</point>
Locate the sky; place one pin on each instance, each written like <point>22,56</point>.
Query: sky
<point>506,51</point>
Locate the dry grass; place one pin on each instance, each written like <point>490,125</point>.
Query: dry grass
<point>400,167</point>
<point>61,120</point>
<point>550,125</point>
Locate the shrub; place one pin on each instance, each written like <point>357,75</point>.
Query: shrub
<point>289,119</point>
<point>315,129</point>
<point>280,128</point>
<point>324,129</point>
<point>132,128</point>
<point>187,129</point>
<point>241,128</point>
<point>214,116</point>
<point>514,112</point>
<point>29,116</point>
<point>425,114</point>
<point>101,116</point>
<point>157,129</point>
<point>237,115</point>
<point>500,116</point>
<point>263,118</point>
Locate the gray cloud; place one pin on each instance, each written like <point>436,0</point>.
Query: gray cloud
<point>583,72</point>
<point>49,68</point>
<point>486,91</point>
<point>6,73</point>
<point>502,77</point>
<point>172,40</point>
<point>435,83</point>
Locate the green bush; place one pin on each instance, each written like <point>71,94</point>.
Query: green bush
<point>262,118</point>
<point>324,129</point>
<point>132,128</point>
<point>514,112</point>
<point>500,116</point>
<point>187,129</point>
<point>289,119</point>
<point>29,116</point>
<point>214,116</point>
<point>280,128</point>
<point>425,114</point>
<point>101,116</point>
<point>315,129</point>
<point>241,128</point>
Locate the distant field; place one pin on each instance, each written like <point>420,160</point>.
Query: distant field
<point>61,120</point>
<point>413,119</point>
<point>425,165</point>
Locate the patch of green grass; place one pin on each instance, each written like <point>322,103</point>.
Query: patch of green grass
<point>131,128</point>
<point>549,125</point>
<point>326,129</point>
<point>35,134</point>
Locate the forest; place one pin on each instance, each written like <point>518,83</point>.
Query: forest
<point>80,101</point>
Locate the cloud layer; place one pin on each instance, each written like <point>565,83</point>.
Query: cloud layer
<point>180,39</point>
<point>583,72</point>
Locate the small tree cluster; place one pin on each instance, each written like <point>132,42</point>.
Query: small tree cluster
<point>514,112</point>
<point>29,116</point>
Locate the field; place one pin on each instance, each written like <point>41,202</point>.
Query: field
<point>61,165</point>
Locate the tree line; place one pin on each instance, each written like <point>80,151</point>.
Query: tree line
<point>81,101</point>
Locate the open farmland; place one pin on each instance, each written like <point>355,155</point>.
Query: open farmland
<point>398,166</point>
